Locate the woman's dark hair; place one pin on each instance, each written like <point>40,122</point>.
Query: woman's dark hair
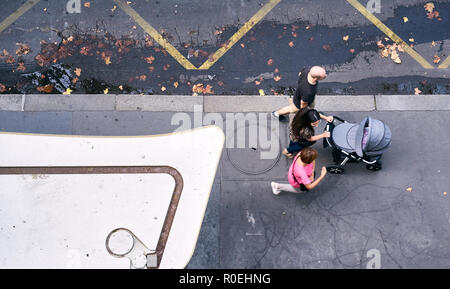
<point>303,118</point>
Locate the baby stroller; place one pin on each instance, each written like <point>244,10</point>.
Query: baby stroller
<point>363,142</point>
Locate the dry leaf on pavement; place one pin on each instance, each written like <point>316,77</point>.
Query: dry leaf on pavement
<point>436,59</point>
<point>429,7</point>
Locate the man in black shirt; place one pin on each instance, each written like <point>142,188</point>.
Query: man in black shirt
<point>308,80</point>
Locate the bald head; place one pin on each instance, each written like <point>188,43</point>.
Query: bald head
<point>318,73</point>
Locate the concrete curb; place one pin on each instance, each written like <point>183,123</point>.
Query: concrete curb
<point>217,103</point>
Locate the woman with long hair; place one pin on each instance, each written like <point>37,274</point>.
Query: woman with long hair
<point>301,131</point>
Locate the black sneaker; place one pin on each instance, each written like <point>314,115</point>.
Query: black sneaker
<point>281,118</point>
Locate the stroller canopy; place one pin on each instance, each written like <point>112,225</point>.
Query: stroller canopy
<point>371,137</point>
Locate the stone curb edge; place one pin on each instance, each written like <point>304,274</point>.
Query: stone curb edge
<point>216,103</point>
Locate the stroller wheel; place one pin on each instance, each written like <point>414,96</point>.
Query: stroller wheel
<point>374,167</point>
<point>336,170</point>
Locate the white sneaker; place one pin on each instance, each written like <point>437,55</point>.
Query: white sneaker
<point>275,190</point>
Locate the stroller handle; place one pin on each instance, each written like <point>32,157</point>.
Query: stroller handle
<point>338,118</point>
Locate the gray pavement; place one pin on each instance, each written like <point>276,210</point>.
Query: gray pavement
<point>334,226</point>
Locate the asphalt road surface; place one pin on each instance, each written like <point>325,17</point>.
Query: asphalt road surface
<point>169,47</point>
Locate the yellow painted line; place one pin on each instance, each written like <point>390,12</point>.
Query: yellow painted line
<point>390,34</point>
<point>155,35</point>
<point>445,64</point>
<point>241,32</point>
<point>19,12</point>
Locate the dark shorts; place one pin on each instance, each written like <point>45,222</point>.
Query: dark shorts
<point>295,147</point>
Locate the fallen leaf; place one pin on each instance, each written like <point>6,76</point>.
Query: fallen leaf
<point>106,91</point>
<point>277,78</point>
<point>68,91</point>
<point>432,15</point>
<point>87,4</point>
<point>208,89</point>
<point>405,19</point>
<point>175,84</point>
<point>436,59</point>
<point>163,88</point>
<point>121,87</point>
<point>276,70</point>
<point>270,62</point>
<point>401,47</point>
<point>47,88</point>
<point>411,39</point>
<point>21,67</point>
<point>2,88</point>
<point>220,83</point>
<point>433,43</point>
<point>345,38</point>
<point>385,52</point>
<point>352,51</point>
<point>291,44</point>
<point>23,49</point>
<point>84,50</point>
<point>397,60</point>
<point>409,189</point>
<point>114,8</point>
<point>257,82</point>
<point>380,44</point>
<point>78,71</point>
<point>394,54</point>
<point>242,45</point>
<point>4,54</point>
<point>108,60</point>
<point>75,80</point>
<point>445,193</point>
<point>429,7</point>
<point>417,91</point>
<point>150,59</point>
<point>261,92</point>
<point>143,77</point>
<point>327,47</point>
<point>197,88</point>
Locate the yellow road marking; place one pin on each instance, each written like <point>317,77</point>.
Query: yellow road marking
<point>425,64</point>
<point>176,54</point>
<point>155,35</point>
<point>15,15</point>
<point>445,64</point>
<point>241,32</point>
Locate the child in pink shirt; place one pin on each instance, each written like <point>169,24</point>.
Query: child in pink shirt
<point>301,173</point>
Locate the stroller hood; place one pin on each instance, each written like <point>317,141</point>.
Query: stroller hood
<point>370,137</point>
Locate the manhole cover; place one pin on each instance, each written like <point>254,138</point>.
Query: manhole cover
<point>249,161</point>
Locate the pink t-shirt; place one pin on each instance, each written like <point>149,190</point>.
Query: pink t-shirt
<point>302,174</point>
